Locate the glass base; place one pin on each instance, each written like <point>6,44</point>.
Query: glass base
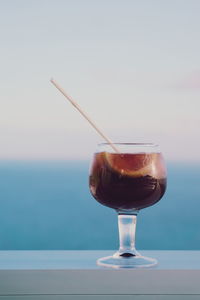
<point>118,261</point>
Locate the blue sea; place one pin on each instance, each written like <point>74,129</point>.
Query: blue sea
<point>47,205</point>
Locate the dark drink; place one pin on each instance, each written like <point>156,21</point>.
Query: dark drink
<point>128,180</point>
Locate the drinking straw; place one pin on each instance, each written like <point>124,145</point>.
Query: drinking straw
<point>108,140</point>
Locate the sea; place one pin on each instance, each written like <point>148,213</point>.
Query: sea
<point>47,205</point>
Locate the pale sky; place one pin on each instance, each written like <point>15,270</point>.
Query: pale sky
<point>133,66</point>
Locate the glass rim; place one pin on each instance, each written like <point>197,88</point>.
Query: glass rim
<point>129,144</point>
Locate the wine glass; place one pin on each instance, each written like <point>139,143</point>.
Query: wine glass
<point>128,180</point>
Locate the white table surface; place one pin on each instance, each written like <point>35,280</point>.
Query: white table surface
<point>75,275</point>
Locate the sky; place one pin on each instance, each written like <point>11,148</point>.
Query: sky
<point>132,65</point>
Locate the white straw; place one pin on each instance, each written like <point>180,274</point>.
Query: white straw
<point>84,115</point>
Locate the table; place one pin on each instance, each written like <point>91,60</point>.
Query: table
<point>74,275</point>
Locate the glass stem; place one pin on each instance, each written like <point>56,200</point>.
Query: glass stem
<point>127,227</point>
